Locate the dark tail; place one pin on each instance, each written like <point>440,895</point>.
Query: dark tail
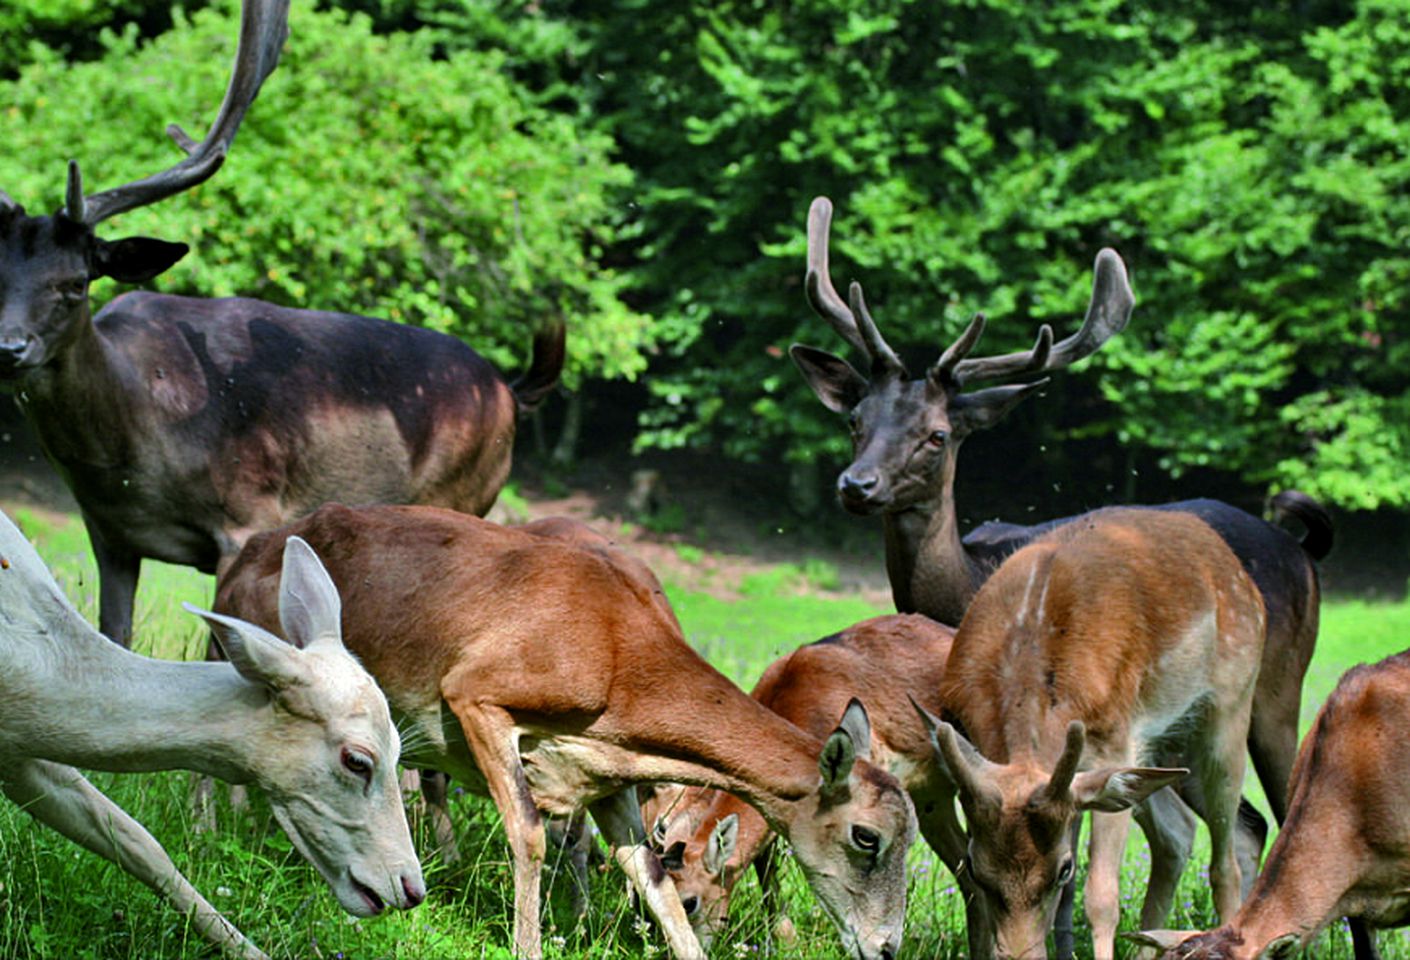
<point>1317,541</point>
<point>544,369</point>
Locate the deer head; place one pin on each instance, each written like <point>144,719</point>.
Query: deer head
<point>704,878</point>
<point>906,432</point>
<point>47,262</point>
<point>1020,817</point>
<point>329,761</point>
<point>850,838</point>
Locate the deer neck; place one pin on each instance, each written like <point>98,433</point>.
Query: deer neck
<point>723,739</point>
<point>929,569</point>
<point>79,386</point>
<point>124,713</point>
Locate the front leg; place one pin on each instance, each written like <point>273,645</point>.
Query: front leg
<point>489,731</point>
<point>118,569</point>
<point>60,797</point>
<point>618,816</point>
<point>1103,893</point>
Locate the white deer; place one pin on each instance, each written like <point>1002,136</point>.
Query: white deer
<point>304,722</point>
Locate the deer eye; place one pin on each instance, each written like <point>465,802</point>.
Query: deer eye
<point>864,838</point>
<point>357,763</point>
<point>854,422</point>
<point>70,289</point>
<point>690,905</point>
<point>1064,873</point>
<point>938,438</point>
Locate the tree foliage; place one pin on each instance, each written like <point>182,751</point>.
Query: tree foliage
<point>1249,162</point>
<point>371,176</point>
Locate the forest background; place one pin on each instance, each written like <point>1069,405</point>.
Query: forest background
<point>642,172</point>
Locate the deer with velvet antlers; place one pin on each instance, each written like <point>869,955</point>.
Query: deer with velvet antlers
<point>907,433</point>
<point>303,720</point>
<point>530,664</point>
<point>183,425</point>
<point>1123,637</point>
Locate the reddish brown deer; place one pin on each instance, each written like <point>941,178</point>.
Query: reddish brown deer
<point>906,436</point>
<point>708,838</point>
<point>530,665</point>
<point>1343,850</point>
<point>184,425</point>
<point>1124,636</point>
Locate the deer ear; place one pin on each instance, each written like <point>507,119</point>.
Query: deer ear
<point>984,408</point>
<point>721,846</point>
<point>673,857</point>
<point>257,654</point>
<point>1161,940</point>
<point>135,259</point>
<point>1114,790</point>
<point>851,739</point>
<point>309,607</point>
<point>837,385</point>
<point>1284,946</point>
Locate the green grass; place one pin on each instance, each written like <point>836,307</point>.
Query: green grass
<point>57,901</point>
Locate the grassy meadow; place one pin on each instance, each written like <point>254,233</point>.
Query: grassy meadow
<point>57,901</point>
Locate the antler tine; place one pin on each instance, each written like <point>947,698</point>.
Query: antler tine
<point>1066,767</point>
<point>883,358</point>
<point>943,369</point>
<point>74,207</point>
<point>822,297</point>
<point>1107,315</point>
<point>264,26</point>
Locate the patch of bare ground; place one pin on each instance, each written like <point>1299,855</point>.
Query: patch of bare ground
<point>703,527</point>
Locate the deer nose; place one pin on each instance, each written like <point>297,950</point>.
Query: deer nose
<point>12,347</point>
<point>414,889</point>
<point>855,486</point>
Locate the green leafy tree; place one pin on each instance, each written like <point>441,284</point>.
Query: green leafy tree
<point>371,176</point>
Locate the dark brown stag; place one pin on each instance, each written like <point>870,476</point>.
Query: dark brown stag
<point>906,435</point>
<point>185,425</point>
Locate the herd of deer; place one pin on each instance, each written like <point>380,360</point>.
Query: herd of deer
<point>1119,662</point>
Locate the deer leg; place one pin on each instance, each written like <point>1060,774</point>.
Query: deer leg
<point>435,792</point>
<point>1251,832</point>
<point>943,831</point>
<point>1221,770</point>
<point>1103,896</point>
<point>489,731</point>
<point>1064,940</point>
<point>618,816</point>
<point>1363,940</point>
<point>777,924</point>
<point>1273,736</point>
<point>1169,826</point>
<point>572,839</point>
<point>117,586</point>
<point>60,797</point>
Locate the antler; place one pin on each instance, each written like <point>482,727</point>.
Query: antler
<point>823,298</point>
<point>264,25</point>
<point>1107,315</point>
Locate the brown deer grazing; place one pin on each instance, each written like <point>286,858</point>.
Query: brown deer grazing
<point>1344,849</point>
<point>1124,636</point>
<point>707,838</point>
<point>906,437</point>
<point>531,666</point>
<point>184,425</point>
<point>305,721</point>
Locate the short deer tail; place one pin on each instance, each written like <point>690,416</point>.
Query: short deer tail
<point>1317,541</point>
<point>546,366</point>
